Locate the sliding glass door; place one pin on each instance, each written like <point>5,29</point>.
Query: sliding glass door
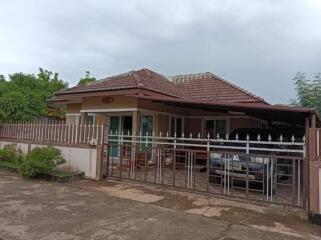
<point>176,126</point>
<point>119,125</point>
<point>114,130</point>
<point>147,128</point>
<point>216,127</point>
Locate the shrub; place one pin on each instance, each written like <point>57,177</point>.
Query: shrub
<point>41,160</point>
<point>10,153</point>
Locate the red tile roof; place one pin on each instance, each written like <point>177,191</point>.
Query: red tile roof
<point>203,86</point>
<point>141,79</point>
<point>210,87</point>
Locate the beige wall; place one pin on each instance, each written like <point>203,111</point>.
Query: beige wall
<point>91,104</point>
<point>96,103</point>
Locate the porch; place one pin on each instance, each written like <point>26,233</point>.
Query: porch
<point>149,116</point>
<point>252,152</point>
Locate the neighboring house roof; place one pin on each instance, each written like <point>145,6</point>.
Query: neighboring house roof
<point>202,86</point>
<point>210,87</point>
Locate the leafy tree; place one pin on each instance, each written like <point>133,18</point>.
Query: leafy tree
<point>86,79</point>
<point>23,97</point>
<point>308,91</point>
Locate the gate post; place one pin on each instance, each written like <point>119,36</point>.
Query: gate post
<point>314,165</point>
<point>99,162</point>
<point>100,153</point>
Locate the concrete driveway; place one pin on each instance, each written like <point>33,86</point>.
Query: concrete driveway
<point>32,209</point>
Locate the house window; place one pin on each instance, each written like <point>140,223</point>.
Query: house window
<point>90,120</point>
<point>127,124</point>
<point>147,125</point>
<point>176,126</point>
<point>216,126</point>
<point>210,128</point>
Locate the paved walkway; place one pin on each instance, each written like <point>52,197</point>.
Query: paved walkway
<point>32,209</point>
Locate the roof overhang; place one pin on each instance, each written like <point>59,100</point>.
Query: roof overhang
<point>287,114</point>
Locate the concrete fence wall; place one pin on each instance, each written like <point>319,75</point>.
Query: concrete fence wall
<point>77,158</point>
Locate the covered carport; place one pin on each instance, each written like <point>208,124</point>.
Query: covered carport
<point>299,117</point>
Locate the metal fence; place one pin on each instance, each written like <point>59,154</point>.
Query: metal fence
<point>53,133</point>
<point>271,171</point>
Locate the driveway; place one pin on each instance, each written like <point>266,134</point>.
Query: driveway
<point>33,209</point>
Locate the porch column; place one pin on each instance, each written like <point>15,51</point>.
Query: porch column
<point>313,121</point>
<point>135,126</point>
<point>136,122</point>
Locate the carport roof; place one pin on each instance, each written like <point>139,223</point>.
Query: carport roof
<point>280,113</point>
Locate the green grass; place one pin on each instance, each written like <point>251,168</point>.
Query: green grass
<point>7,164</point>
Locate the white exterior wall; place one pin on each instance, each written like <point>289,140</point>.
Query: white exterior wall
<point>22,146</point>
<point>79,159</point>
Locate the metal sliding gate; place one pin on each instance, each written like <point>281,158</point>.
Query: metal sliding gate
<point>274,177</point>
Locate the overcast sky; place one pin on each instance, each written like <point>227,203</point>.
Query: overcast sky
<point>259,45</point>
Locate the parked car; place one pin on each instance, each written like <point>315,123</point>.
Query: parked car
<point>285,166</point>
<point>259,171</point>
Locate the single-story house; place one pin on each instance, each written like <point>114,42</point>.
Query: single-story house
<point>198,104</point>
<point>200,107</point>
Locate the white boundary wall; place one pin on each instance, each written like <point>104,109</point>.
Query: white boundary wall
<point>79,159</point>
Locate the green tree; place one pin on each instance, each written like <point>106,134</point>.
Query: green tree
<point>23,97</point>
<point>2,78</point>
<point>86,79</point>
<point>308,91</point>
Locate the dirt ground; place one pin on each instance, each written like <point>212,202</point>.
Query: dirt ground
<point>33,209</point>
